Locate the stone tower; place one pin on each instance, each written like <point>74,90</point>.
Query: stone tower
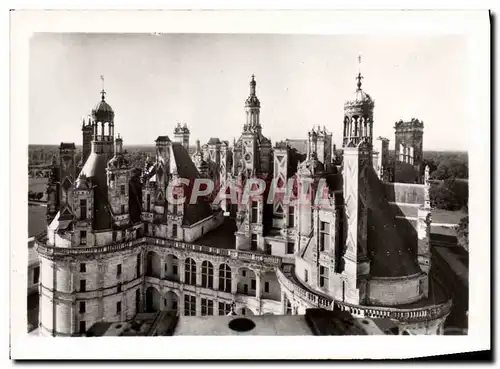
<point>358,128</point>
<point>67,176</point>
<point>324,146</point>
<point>181,135</point>
<point>87,135</point>
<point>381,158</point>
<point>409,151</point>
<point>199,161</point>
<point>103,118</point>
<point>53,192</point>
<point>118,177</point>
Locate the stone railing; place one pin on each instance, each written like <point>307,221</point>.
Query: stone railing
<point>233,254</point>
<point>42,248</point>
<point>401,314</point>
<point>311,298</point>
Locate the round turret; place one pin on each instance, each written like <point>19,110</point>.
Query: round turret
<point>103,112</point>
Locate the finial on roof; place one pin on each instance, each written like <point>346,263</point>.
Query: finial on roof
<point>359,77</point>
<point>103,93</point>
<point>198,147</point>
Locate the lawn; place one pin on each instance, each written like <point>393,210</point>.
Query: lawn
<point>38,185</point>
<point>447,216</point>
<point>36,220</point>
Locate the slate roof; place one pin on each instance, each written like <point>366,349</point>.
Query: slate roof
<point>214,141</point>
<point>67,145</point>
<point>390,245</point>
<point>186,169</point>
<point>162,139</point>
<point>95,170</point>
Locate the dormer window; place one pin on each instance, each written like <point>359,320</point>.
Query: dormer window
<point>83,209</point>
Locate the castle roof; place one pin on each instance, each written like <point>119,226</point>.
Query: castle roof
<point>103,112</point>
<point>390,245</point>
<point>214,141</point>
<point>95,170</point>
<point>162,139</point>
<point>67,145</point>
<point>186,169</point>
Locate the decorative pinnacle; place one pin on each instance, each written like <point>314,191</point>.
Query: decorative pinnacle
<point>252,85</point>
<point>103,93</point>
<point>359,77</point>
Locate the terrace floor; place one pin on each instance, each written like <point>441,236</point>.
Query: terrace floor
<point>221,237</point>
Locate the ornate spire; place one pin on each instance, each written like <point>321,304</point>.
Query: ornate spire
<point>359,77</point>
<point>103,93</point>
<point>252,85</point>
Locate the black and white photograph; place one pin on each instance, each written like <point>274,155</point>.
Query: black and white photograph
<point>206,184</point>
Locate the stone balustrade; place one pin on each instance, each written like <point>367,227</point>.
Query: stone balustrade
<point>44,249</point>
<point>400,314</point>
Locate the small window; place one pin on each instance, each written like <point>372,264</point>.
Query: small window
<point>207,307</point>
<point>36,275</point>
<point>114,236</point>
<point>253,245</point>
<point>323,276</point>
<point>174,231</point>
<point>255,212</point>
<point>118,307</point>
<point>118,270</point>
<point>254,284</point>
<point>324,236</point>
<point>83,268</point>
<point>122,190</point>
<point>174,209</point>
<point>290,248</point>
<point>83,327</point>
<point>123,209</point>
<point>82,307</point>
<point>291,216</point>
<point>175,270</point>
<point>112,177</point>
<point>83,237</point>
<point>266,287</point>
<point>306,276</point>
<point>83,285</point>
<point>83,209</point>
<point>244,273</point>
<point>119,287</point>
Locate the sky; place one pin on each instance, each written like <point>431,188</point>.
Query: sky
<point>154,81</point>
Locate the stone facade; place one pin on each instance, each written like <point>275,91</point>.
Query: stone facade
<point>332,239</point>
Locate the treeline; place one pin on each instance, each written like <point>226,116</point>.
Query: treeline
<point>447,165</point>
<point>36,196</point>
<point>450,194</point>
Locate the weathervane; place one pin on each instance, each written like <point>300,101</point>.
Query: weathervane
<point>359,77</point>
<point>103,93</point>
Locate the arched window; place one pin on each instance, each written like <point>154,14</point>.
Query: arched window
<point>190,272</point>
<point>225,278</point>
<point>207,274</point>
